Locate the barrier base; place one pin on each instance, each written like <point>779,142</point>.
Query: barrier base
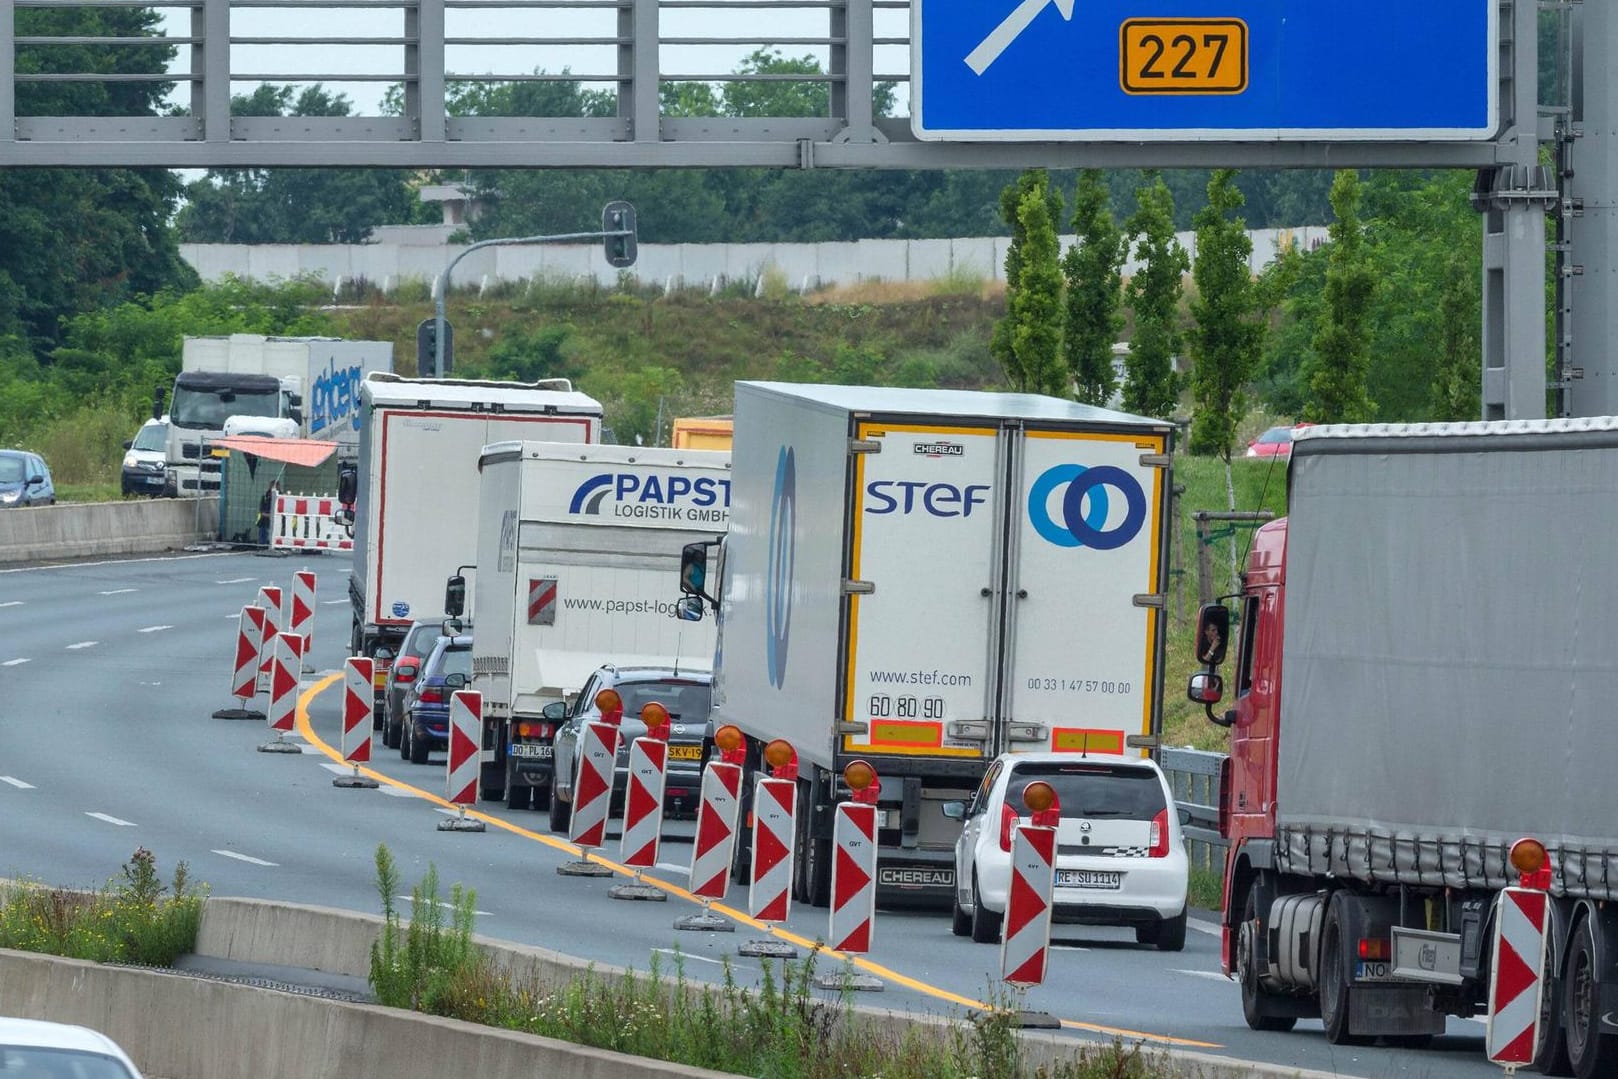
<point>643,892</point>
<point>585,868</point>
<point>705,923</point>
<point>1027,1020</point>
<point>460,824</point>
<point>768,949</point>
<point>281,746</point>
<point>839,980</point>
<point>355,780</point>
<point>239,713</point>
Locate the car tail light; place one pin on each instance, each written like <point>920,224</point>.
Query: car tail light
<point>405,673</point>
<point>1008,821</point>
<point>1158,843</point>
<point>431,695</point>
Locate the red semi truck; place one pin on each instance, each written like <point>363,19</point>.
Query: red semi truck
<point>1424,674</point>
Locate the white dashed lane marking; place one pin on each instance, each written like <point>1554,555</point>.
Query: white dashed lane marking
<point>12,603</point>
<point>15,782</point>
<point>245,858</point>
<point>116,591</point>
<point>111,820</point>
<point>237,580</point>
<point>154,629</point>
<point>14,662</point>
<point>82,644</point>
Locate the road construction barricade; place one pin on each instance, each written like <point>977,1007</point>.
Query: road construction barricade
<point>305,523</point>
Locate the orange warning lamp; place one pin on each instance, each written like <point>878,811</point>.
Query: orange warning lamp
<point>730,742</point>
<point>656,718</point>
<point>610,705</point>
<point>861,779</point>
<point>1532,863</point>
<point>1040,798</point>
<point>782,759</point>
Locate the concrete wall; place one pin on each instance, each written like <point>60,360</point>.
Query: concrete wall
<point>389,263</point>
<point>87,529</point>
<point>178,1027</point>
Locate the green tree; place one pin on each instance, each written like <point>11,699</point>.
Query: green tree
<point>1036,309</point>
<point>1150,385</point>
<point>1002,344</point>
<point>1092,269</point>
<point>1457,392</point>
<point>1226,335</point>
<point>1337,377</point>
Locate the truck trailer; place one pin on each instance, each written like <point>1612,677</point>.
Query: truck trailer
<point>415,490</point>
<point>575,545</point>
<point>260,383</point>
<point>924,579</point>
<point>1426,642</point>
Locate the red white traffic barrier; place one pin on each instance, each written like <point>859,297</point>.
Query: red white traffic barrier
<point>592,784</point>
<point>769,893</point>
<point>853,877</point>
<point>1515,983</point>
<point>359,704</point>
<point>288,666</point>
<point>305,523</point>
<point>269,599</point>
<point>249,634</point>
<point>465,729</point>
<point>716,830</point>
<point>643,801</point>
<point>1026,943</point>
<point>300,613</point>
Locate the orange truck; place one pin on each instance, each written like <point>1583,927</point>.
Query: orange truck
<point>702,433</point>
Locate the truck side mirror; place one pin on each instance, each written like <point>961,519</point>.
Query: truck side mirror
<point>455,596</point>
<point>694,571</point>
<point>1206,688</point>
<point>1213,634</point>
<point>348,485</point>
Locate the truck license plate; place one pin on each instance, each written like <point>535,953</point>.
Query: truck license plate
<point>1372,970</point>
<point>685,753</point>
<point>532,752</point>
<point>1089,878</point>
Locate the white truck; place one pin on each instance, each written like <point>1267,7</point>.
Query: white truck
<point>924,579</point>
<point>255,384</point>
<point>575,548</point>
<point>415,491</point>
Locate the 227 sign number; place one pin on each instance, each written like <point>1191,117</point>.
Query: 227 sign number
<point>1183,56</point>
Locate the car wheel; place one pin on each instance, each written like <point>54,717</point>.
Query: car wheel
<point>419,745</point>
<point>961,923</point>
<point>517,795</point>
<point>560,814</point>
<point>1254,1001</point>
<point>985,922</point>
<point>390,735</point>
<point>404,740</point>
<point>1171,934</point>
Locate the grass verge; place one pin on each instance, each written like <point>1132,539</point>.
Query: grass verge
<point>132,919</point>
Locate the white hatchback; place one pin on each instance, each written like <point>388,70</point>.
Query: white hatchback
<point>1120,857</point>
<point>34,1047</point>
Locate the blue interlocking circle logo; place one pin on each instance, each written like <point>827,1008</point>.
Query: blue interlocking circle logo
<point>1083,526</point>
<point>783,555</point>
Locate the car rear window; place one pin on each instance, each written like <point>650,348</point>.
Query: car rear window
<point>1095,791</point>
<point>1276,434</point>
<point>421,641</point>
<point>456,661</point>
<point>688,702</point>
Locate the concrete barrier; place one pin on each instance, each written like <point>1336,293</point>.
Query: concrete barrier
<point>90,529</point>
<point>338,943</point>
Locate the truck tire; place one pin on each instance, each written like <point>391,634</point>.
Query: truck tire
<point>1551,1059</point>
<point>1255,1002</point>
<point>811,877</point>
<point>985,922</point>
<point>517,795</point>
<point>1591,1053</point>
<point>1334,987</point>
<point>560,814</point>
<point>542,797</point>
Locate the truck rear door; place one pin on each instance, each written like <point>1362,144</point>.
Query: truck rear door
<point>1083,643</point>
<point>925,533</point>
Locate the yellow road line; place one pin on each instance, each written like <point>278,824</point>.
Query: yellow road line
<point>307,731</point>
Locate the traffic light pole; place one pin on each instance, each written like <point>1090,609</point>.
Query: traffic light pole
<point>441,285</point>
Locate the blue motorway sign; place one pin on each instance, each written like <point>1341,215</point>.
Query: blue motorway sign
<point>1182,70</point>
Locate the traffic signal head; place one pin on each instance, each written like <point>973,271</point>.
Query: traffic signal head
<point>618,223</point>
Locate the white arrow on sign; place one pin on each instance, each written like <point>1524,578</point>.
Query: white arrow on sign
<point>989,50</point>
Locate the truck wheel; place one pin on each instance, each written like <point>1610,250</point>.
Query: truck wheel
<point>1590,1052</point>
<point>561,813</point>
<point>542,797</point>
<point>1254,1003</point>
<point>1334,988</point>
<point>1552,1056</point>
<point>517,795</point>
<point>985,922</point>
<point>812,872</point>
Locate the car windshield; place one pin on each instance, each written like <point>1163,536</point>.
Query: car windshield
<point>1094,790</point>
<point>689,702</point>
<point>1275,435</point>
<point>152,436</point>
<point>26,1062</point>
<point>11,469</point>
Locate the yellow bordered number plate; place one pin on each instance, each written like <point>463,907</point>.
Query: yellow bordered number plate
<point>1183,56</point>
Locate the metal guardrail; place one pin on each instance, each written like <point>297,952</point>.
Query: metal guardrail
<point>1193,776</point>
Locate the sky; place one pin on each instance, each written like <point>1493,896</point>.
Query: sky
<point>725,19</point>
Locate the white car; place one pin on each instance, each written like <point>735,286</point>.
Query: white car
<point>1120,857</point>
<point>34,1047</point>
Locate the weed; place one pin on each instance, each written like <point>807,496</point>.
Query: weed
<point>133,920</point>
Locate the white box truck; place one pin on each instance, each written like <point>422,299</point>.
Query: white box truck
<point>415,491</point>
<point>924,579</point>
<point>576,545</point>
<point>259,383</point>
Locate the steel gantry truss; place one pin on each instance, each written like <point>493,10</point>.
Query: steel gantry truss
<point>628,52</point>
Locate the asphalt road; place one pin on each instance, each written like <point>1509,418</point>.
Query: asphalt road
<point>109,673</point>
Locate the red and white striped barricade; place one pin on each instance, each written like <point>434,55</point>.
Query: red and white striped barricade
<point>769,893</point>
<point>286,650</point>
<point>643,800</point>
<point>299,617</point>
<point>853,867</point>
<point>359,706</point>
<point>305,523</point>
<point>1515,976</point>
<point>269,600</point>
<point>715,846</point>
<point>244,670</point>
<point>464,766</point>
<point>592,777</point>
<point>1026,943</point>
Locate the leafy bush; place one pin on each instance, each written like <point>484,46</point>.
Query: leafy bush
<point>130,920</point>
